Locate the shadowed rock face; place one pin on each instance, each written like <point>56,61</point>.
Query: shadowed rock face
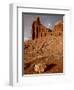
<point>44,53</point>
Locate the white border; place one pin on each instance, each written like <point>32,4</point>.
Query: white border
<point>16,77</point>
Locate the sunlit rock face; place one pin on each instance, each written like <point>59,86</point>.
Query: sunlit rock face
<point>44,53</point>
<point>38,30</point>
<point>58,28</point>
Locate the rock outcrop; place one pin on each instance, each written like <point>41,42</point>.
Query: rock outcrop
<point>38,30</point>
<point>58,28</point>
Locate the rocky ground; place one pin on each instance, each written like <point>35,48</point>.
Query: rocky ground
<point>44,55</point>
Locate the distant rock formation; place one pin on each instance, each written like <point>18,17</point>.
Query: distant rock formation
<point>58,28</point>
<point>38,30</point>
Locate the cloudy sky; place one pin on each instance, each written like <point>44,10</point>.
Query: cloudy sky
<point>47,20</point>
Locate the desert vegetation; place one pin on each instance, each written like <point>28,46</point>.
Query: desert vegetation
<point>44,52</point>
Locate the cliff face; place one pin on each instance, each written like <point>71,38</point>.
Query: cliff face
<point>44,53</point>
<point>58,28</point>
<point>38,30</point>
